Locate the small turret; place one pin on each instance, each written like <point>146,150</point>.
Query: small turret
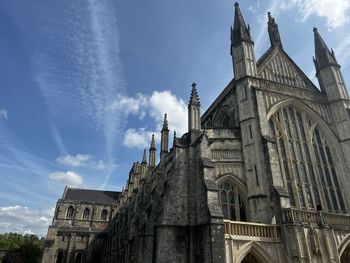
<point>164,143</point>
<point>152,153</point>
<point>242,47</point>
<point>328,70</point>
<point>274,34</point>
<point>144,165</point>
<point>194,121</point>
<point>323,56</point>
<point>239,32</point>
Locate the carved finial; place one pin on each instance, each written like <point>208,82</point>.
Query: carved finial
<point>236,4</point>
<point>274,34</point>
<point>314,29</point>
<point>194,99</point>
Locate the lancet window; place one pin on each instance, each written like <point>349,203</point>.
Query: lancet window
<point>306,162</point>
<point>232,203</point>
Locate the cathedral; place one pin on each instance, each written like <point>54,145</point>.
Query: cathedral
<point>261,177</point>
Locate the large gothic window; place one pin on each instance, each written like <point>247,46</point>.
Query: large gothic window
<point>232,204</point>
<point>306,162</point>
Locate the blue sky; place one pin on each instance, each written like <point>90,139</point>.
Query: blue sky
<point>84,84</point>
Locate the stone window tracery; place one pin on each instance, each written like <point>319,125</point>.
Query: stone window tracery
<point>306,162</point>
<point>232,204</point>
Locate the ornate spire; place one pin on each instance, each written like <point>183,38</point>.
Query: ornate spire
<point>165,123</point>
<point>144,157</point>
<point>153,143</point>
<point>323,56</point>
<point>152,153</point>
<point>194,118</point>
<point>274,34</point>
<point>194,99</point>
<point>240,31</point>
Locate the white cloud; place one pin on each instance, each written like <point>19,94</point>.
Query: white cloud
<point>138,138</point>
<point>154,106</point>
<point>130,105</point>
<point>3,114</point>
<point>335,12</point>
<point>75,161</point>
<point>68,178</point>
<point>21,219</point>
<point>165,102</point>
<point>84,160</point>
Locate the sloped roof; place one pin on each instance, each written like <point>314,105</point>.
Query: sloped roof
<point>90,195</point>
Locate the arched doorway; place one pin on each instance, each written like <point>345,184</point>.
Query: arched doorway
<point>60,257</point>
<point>345,256</point>
<point>250,258</point>
<point>79,257</point>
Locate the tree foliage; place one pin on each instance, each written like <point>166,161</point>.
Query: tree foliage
<point>17,248</point>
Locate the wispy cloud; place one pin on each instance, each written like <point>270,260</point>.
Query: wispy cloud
<point>342,52</point>
<point>67,178</point>
<point>22,219</point>
<point>78,68</point>
<point>3,114</point>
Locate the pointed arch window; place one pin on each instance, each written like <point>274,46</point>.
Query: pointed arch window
<point>306,162</point>
<point>232,203</point>
<point>86,214</point>
<point>104,215</point>
<point>70,212</point>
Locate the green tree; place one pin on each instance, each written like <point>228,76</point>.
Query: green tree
<point>17,248</point>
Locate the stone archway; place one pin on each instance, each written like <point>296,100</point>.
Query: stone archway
<point>252,252</point>
<point>60,257</point>
<point>345,256</point>
<point>79,257</point>
<point>250,258</point>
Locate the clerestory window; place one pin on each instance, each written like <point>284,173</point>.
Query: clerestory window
<point>86,214</point>
<point>70,212</point>
<point>306,162</point>
<point>232,204</point>
<point>104,215</point>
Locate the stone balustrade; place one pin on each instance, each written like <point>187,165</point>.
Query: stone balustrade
<point>252,231</point>
<point>291,216</point>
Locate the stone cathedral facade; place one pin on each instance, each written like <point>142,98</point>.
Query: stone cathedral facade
<point>261,176</point>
